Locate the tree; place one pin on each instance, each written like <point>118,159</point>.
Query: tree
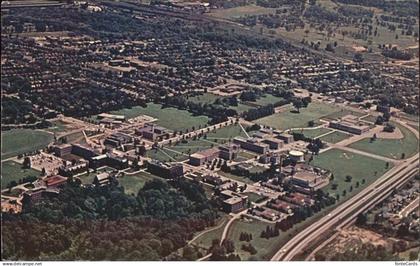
<point>26,162</point>
<point>297,103</point>
<point>348,178</point>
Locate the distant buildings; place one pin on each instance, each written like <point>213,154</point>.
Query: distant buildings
<point>165,170</point>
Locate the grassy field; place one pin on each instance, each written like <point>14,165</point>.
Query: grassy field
<point>18,141</point>
<point>12,171</point>
<point>288,119</point>
<point>392,148</point>
<point>313,133</point>
<point>57,126</point>
<point>254,197</point>
<point>236,177</point>
<point>205,98</point>
<point>267,99</point>
<point>133,183</point>
<point>335,137</point>
<point>236,12</point>
<point>342,163</point>
<point>205,240</point>
<point>170,118</point>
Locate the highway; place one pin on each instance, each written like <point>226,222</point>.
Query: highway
<point>349,209</point>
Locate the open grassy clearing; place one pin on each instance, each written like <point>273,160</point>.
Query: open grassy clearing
<point>13,171</point>
<point>133,183</point>
<point>369,118</point>
<point>342,112</point>
<point>392,148</point>
<point>254,197</point>
<point>236,177</point>
<point>170,118</point>
<point>313,133</point>
<point>289,119</point>
<point>205,98</point>
<point>342,163</point>
<point>57,126</point>
<point>236,12</point>
<point>18,141</point>
<point>205,240</point>
<point>267,99</point>
<point>335,137</point>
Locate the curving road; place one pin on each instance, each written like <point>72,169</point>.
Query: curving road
<point>349,209</point>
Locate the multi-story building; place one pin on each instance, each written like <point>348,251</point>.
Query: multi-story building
<point>350,124</point>
<point>228,152</point>
<point>62,150</point>
<point>153,132</point>
<point>204,156</point>
<point>165,170</point>
<point>253,145</point>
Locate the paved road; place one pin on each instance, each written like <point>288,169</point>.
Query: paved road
<point>370,193</point>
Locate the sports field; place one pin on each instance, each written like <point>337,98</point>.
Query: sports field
<point>170,118</point>
<point>12,171</point>
<point>392,148</point>
<point>18,141</point>
<point>342,163</point>
<point>288,119</point>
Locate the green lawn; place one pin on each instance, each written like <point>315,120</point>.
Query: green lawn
<point>170,118</point>
<point>370,118</point>
<point>313,133</point>
<point>268,99</point>
<point>392,148</point>
<point>57,126</point>
<point>254,197</point>
<point>236,177</point>
<point>205,98</point>
<point>263,246</point>
<point>236,12</point>
<point>335,137</point>
<point>288,119</point>
<point>342,163</point>
<point>12,171</point>
<point>205,240</point>
<point>133,183</point>
<point>342,112</point>
<point>18,141</point>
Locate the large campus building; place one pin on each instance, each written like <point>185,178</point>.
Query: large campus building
<point>153,132</point>
<point>252,144</point>
<point>165,170</point>
<point>349,123</point>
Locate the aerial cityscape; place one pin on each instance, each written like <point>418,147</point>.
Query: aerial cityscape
<point>210,130</point>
